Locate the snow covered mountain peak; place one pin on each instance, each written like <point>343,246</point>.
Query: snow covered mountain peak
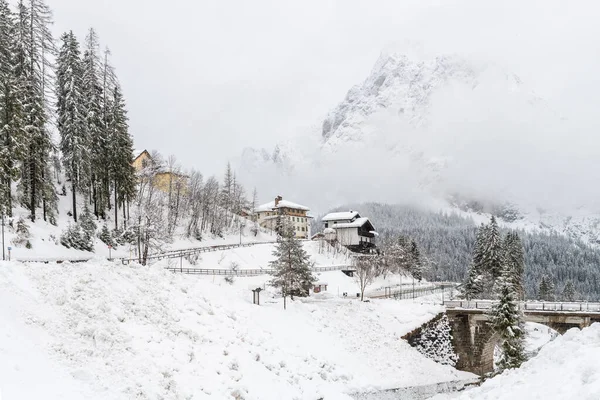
<point>405,87</point>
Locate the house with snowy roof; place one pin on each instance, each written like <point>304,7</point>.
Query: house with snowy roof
<point>350,230</point>
<point>292,214</point>
<point>163,179</point>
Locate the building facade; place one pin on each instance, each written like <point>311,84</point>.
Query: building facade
<point>162,179</point>
<point>350,230</point>
<point>291,214</point>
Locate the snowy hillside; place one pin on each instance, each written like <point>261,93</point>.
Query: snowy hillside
<point>98,330</point>
<point>44,237</point>
<point>566,368</point>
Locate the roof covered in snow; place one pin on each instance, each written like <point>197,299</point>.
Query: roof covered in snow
<point>282,204</point>
<point>357,223</point>
<point>138,152</point>
<point>341,216</point>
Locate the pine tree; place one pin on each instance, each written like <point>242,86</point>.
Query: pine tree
<point>12,140</point>
<point>417,264</point>
<point>121,154</point>
<point>293,270</point>
<point>95,128</point>
<point>491,259</point>
<point>473,285</point>
<point>514,263</point>
<point>477,278</point>
<point>74,143</point>
<point>569,291</point>
<point>507,321</point>
<point>546,289</point>
<point>34,48</point>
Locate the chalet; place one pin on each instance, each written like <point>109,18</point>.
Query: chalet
<point>162,179</point>
<point>294,215</point>
<point>350,230</point>
<point>141,159</point>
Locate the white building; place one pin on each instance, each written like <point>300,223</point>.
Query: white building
<point>350,229</point>
<point>292,214</point>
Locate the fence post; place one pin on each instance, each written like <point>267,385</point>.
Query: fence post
<point>181,263</point>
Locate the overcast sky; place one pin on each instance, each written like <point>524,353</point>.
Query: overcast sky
<point>203,79</point>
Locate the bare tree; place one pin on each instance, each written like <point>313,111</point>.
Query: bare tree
<point>253,216</point>
<point>195,204</point>
<point>149,212</point>
<point>366,271</point>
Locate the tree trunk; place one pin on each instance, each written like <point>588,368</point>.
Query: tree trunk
<point>74,201</point>
<point>116,209</point>
<point>32,183</point>
<point>95,196</point>
<point>9,211</point>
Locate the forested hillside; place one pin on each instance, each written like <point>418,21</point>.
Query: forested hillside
<point>447,240</point>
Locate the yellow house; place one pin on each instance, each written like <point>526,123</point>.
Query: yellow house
<point>141,159</point>
<point>163,180</point>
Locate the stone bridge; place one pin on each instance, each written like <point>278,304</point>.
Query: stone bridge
<point>474,339</point>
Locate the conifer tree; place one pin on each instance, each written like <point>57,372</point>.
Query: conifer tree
<point>491,258</point>
<point>514,263</point>
<point>96,131</point>
<point>34,48</point>
<point>507,321</point>
<point>473,286</point>
<point>12,139</point>
<point>74,143</point>
<point>569,291</point>
<point>477,277</point>
<point>121,154</point>
<point>546,289</point>
<point>293,270</point>
<point>417,263</point>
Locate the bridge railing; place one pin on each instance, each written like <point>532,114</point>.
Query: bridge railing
<point>527,305</point>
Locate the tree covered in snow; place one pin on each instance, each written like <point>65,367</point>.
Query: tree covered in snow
<point>13,145</point>
<point>366,270</point>
<point>514,263</point>
<point>507,321</point>
<point>417,262</point>
<point>569,291</point>
<point>34,50</point>
<point>546,289</point>
<point>74,143</point>
<point>292,268</point>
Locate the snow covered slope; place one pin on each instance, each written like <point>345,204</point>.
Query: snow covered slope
<point>120,332</point>
<point>565,369</point>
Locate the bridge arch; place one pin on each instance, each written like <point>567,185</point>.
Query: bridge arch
<point>474,339</point>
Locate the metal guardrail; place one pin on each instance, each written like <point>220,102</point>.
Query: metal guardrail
<point>409,292</point>
<point>247,272</point>
<point>526,305</point>
<point>191,251</point>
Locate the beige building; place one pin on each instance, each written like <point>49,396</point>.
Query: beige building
<point>292,214</point>
<point>163,179</point>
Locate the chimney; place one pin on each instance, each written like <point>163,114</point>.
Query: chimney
<point>277,200</point>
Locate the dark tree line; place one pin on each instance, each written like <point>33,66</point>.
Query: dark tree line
<point>74,89</point>
<point>448,241</point>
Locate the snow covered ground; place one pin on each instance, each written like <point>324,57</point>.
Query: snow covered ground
<point>99,330</point>
<point>566,368</point>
